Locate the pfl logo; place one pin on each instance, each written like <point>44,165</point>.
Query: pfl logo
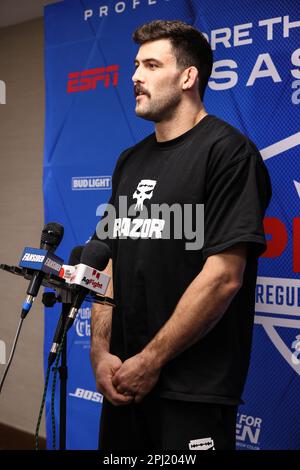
<point>247,431</point>
<point>88,79</point>
<point>2,92</point>
<point>278,231</point>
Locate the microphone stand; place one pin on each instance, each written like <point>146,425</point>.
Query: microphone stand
<point>63,375</point>
<point>49,300</point>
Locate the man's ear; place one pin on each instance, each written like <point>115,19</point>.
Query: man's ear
<point>190,78</point>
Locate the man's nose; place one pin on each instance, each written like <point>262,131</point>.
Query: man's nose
<point>137,76</point>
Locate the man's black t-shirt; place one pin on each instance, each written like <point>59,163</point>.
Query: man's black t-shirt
<point>211,164</point>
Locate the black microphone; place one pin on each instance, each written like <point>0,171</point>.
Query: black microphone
<point>51,237</point>
<point>74,259</point>
<point>95,255</point>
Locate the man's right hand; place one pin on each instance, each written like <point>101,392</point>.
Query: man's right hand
<point>104,370</point>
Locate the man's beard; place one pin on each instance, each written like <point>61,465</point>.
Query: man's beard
<point>159,109</point>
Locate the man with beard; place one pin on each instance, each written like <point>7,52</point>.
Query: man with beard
<point>171,360</point>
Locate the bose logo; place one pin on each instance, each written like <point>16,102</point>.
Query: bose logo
<point>88,79</point>
<point>2,92</point>
<point>91,182</point>
<point>33,258</point>
<point>87,395</point>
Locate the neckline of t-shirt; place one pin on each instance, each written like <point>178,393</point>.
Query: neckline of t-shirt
<point>181,138</point>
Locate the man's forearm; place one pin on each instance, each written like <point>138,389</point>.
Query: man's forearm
<point>101,322</point>
<point>201,306</point>
<point>101,327</point>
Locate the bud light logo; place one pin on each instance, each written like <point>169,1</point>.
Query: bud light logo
<point>86,183</point>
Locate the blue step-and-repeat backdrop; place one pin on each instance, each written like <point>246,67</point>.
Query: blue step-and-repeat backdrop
<point>90,119</point>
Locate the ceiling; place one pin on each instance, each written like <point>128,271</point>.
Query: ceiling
<point>18,11</point>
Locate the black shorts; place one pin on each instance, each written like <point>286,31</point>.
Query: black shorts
<point>163,424</point>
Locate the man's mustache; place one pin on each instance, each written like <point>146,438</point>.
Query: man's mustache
<point>138,89</point>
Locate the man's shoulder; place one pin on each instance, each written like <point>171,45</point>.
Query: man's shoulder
<point>219,130</point>
<point>227,143</point>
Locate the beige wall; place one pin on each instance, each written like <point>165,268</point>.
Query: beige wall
<point>21,212</point>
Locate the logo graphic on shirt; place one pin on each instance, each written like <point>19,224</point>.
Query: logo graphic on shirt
<point>202,444</point>
<point>157,220</point>
<point>278,299</point>
<point>143,191</point>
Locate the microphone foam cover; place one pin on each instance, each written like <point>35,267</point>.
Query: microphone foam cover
<point>75,255</point>
<point>52,235</point>
<point>95,254</point>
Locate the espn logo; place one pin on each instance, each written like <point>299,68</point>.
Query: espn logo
<point>88,79</point>
<point>2,92</point>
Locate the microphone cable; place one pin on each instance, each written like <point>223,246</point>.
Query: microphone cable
<point>36,436</point>
<point>53,390</point>
<point>51,237</point>
<point>55,370</point>
<point>12,353</point>
<point>95,254</point>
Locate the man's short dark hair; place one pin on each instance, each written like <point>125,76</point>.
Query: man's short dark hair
<point>189,45</point>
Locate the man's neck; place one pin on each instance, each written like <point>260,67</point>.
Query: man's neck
<point>182,122</point>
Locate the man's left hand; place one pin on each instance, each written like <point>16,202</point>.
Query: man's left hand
<point>137,376</point>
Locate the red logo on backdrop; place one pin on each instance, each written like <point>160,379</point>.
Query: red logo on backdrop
<point>88,79</point>
<point>280,237</point>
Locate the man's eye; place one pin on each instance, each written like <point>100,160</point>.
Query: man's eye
<point>152,66</point>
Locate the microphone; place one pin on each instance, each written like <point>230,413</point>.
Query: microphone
<point>74,259</point>
<point>94,258</point>
<point>51,237</point>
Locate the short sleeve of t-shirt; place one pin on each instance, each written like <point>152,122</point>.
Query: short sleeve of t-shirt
<point>236,199</point>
